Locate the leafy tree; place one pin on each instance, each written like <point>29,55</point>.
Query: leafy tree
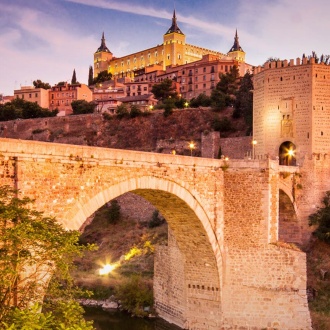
<point>169,105</point>
<point>19,108</point>
<point>244,101</point>
<point>40,84</point>
<point>80,107</point>
<point>201,100</point>
<point>114,212</point>
<point>122,111</point>
<point>33,249</point>
<point>102,76</point>
<point>224,93</point>
<point>321,218</point>
<point>74,78</point>
<point>90,76</point>
<point>164,90</point>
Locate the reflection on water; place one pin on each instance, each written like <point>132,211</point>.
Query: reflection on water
<point>122,321</point>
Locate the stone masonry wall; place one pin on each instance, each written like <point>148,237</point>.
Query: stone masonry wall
<point>223,215</point>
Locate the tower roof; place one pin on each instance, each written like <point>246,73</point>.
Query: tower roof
<point>174,27</point>
<point>236,46</point>
<point>103,47</point>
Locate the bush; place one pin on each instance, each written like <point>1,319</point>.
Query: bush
<point>222,125</point>
<point>156,220</point>
<point>135,294</point>
<point>113,212</point>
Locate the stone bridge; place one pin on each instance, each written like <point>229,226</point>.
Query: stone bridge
<point>223,267</point>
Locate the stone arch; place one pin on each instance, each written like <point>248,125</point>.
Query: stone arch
<point>197,247</point>
<point>288,226</point>
<point>287,154</point>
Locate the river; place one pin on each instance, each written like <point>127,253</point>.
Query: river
<point>104,320</point>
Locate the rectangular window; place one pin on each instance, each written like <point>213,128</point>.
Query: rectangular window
<point>30,95</point>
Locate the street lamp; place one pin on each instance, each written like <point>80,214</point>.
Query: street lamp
<point>254,142</point>
<point>186,104</point>
<point>191,147</point>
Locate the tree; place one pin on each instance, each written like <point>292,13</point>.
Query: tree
<point>321,218</point>
<point>35,248</point>
<point>169,105</point>
<point>135,111</point>
<point>19,108</point>
<point>90,76</point>
<point>201,100</point>
<point>164,90</point>
<point>102,76</point>
<point>244,101</point>
<point>80,107</point>
<point>74,78</point>
<point>40,84</point>
<point>225,91</point>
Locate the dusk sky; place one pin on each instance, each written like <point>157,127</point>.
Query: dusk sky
<point>48,39</point>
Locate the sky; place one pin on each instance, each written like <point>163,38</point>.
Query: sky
<point>48,39</point>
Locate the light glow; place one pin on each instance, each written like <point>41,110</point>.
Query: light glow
<point>107,269</point>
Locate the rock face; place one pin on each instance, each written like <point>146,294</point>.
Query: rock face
<point>148,133</point>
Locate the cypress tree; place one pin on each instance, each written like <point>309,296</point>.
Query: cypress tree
<point>74,78</point>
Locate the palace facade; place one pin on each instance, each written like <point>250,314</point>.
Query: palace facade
<point>195,68</point>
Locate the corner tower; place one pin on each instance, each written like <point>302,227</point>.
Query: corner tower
<point>101,57</point>
<point>236,52</point>
<point>174,45</point>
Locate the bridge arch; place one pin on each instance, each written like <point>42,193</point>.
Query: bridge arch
<point>194,237</point>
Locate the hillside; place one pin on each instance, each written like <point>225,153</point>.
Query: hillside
<point>140,133</point>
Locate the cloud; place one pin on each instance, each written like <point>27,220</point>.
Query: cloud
<point>36,46</point>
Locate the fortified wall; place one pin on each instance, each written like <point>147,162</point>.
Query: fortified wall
<point>291,124</point>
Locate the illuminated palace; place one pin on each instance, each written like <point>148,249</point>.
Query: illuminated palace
<point>195,69</point>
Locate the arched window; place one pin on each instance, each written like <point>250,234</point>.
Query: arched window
<point>287,154</point>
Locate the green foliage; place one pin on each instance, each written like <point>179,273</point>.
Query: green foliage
<point>102,76</point>
<point>68,315</point>
<point>40,84</point>
<point>201,100</point>
<point>74,78</point>
<point>180,103</point>
<point>135,294</point>
<point>90,76</point>
<point>169,105</point>
<point>135,111</point>
<point>321,218</point>
<point>19,108</point>
<point>34,249</point>
<point>222,125</point>
<point>224,93</point>
<point>113,213</point>
<point>244,101</point>
<point>81,107</point>
<point>164,90</point>
<point>122,111</point>
<point>156,220</point>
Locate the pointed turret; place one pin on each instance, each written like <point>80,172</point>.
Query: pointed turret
<point>174,27</point>
<point>103,47</point>
<point>236,46</point>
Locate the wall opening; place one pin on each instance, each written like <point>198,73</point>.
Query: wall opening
<point>288,228</point>
<point>287,154</point>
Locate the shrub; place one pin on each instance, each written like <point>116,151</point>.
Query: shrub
<point>113,212</point>
<point>321,218</point>
<point>135,294</point>
<point>156,220</point>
